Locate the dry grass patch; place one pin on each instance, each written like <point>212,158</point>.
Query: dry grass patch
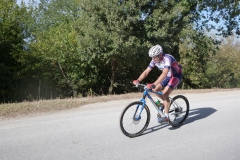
<point>8,110</point>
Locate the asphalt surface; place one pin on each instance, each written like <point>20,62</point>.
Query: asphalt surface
<point>211,132</point>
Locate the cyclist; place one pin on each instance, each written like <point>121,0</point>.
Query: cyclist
<point>170,77</point>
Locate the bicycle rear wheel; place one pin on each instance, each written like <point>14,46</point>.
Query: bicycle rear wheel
<point>179,109</point>
<point>134,119</point>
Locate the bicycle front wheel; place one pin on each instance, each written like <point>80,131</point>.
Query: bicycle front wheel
<point>179,109</point>
<point>134,119</point>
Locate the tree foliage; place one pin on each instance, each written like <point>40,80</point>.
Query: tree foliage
<point>59,48</point>
<point>223,69</point>
<point>219,15</point>
<point>11,46</point>
<point>113,40</point>
<point>195,50</point>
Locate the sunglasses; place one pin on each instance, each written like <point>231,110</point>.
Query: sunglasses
<point>155,56</point>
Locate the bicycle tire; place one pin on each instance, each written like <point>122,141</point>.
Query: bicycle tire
<point>178,106</point>
<point>128,123</point>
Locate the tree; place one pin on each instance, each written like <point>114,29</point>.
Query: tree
<point>11,46</point>
<point>53,51</point>
<point>111,38</point>
<point>165,21</point>
<point>101,45</point>
<point>223,67</point>
<point>219,15</point>
<point>195,50</point>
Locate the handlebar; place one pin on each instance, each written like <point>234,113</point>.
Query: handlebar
<point>144,86</point>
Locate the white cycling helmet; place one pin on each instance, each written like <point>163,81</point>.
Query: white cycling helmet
<point>155,50</point>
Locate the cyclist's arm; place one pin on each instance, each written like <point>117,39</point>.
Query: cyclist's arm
<point>144,73</point>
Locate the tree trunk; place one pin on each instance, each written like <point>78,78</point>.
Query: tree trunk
<point>113,77</point>
<point>39,90</point>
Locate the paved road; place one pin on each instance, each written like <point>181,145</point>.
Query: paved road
<point>211,132</point>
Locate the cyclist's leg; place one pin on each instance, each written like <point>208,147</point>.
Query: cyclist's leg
<point>166,92</point>
<point>165,97</point>
<point>161,85</point>
<point>173,83</point>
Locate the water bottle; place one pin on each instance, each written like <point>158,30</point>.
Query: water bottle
<point>159,104</point>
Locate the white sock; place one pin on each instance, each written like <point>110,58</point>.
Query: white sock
<point>166,115</point>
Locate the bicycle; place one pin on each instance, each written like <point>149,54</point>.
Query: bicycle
<point>135,117</point>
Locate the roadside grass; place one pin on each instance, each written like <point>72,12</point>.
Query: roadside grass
<point>11,110</point>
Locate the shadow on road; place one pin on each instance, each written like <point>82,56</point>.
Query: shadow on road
<point>199,113</point>
<point>194,115</point>
<point>154,128</point>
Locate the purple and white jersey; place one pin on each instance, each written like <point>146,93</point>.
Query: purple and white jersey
<point>169,62</point>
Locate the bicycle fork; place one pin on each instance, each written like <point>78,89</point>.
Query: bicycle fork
<point>137,117</point>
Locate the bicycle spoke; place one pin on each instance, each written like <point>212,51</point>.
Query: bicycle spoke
<point>179,110</point>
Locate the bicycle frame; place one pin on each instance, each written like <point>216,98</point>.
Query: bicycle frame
<point>143,100</point>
